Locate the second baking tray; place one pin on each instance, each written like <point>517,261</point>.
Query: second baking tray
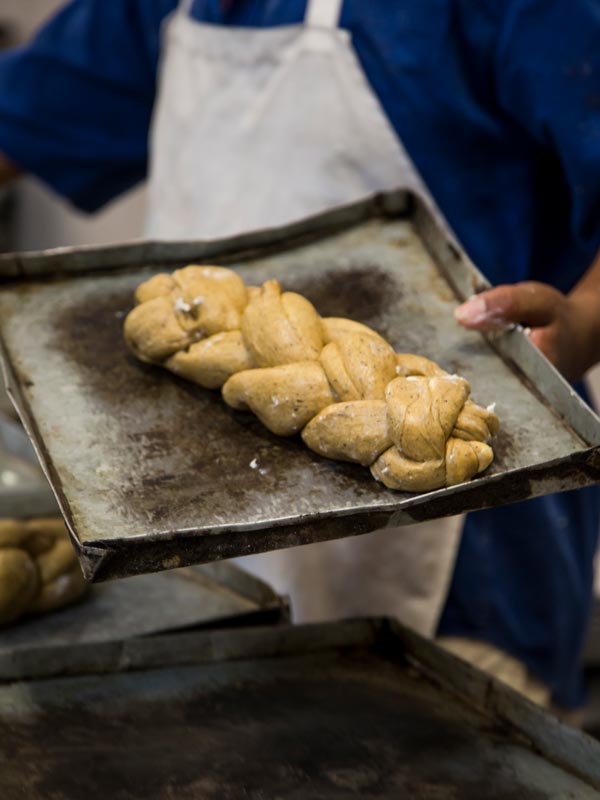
<point>152,472</point>
<point>359,709</point>
<point>208,596</point>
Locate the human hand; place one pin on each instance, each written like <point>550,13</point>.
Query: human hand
<point>566,328</point>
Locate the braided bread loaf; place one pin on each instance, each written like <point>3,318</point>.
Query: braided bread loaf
<point>38,568</point>
<point>336,381</point>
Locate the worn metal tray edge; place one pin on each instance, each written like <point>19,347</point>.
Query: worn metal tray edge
<point>82,259</point>
<point>31,495</point>
<point>572,751</point>
<point>167,550</point>
<point>185,648</point>
<point>545,380</point>
<point>564,746</point>
<point>22,408</point>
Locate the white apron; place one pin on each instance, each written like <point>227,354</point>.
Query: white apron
<point>260,127</point>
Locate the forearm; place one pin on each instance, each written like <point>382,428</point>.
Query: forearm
<point>8,170</point>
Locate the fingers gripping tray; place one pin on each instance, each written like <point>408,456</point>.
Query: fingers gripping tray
<point>152,472</point>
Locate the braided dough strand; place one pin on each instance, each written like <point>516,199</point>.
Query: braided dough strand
<point>335,381</point>
<point>38,568</point>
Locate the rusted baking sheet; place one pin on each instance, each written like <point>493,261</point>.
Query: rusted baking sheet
<point>350,710</point>
<point>152,472</point>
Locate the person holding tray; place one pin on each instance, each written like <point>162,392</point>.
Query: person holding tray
<point>245,114</point>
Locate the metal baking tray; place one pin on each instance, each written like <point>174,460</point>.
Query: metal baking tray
<point>356,709</point>
<point>212,595</point>
<point>152,472</point>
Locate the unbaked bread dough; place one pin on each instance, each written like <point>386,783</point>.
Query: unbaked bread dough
<point>39,571</point>
<point>335,381</point>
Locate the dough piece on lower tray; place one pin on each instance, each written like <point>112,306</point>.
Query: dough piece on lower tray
<point>39,571</point>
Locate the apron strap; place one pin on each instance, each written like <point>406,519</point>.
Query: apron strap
<point>323,13</point>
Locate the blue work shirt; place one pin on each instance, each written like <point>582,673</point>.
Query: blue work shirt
<point>498,104</point>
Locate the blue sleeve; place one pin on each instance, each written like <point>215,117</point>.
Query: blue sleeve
<point>548,79</point>
<point>76,102</point>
